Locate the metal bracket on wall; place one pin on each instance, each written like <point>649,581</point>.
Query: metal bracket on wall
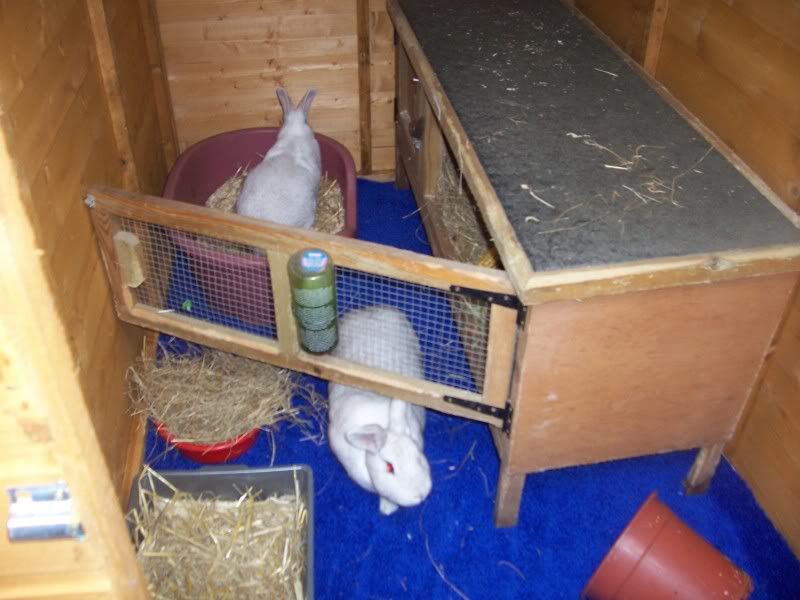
<point>501,413</point>
<point>42,512</point>
<point>507,300</point>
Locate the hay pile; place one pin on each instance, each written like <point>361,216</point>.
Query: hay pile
<point>329,217</point>
<point>465,227</point>
<point>216,396</point>
<point>204,548</point>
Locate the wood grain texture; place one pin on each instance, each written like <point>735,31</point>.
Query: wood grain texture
<point>641,373</point>
<point>655,33</point>
<point>136,84</point>
<point>351,253</point>
<point>364,29</point>
<point>627,22</point>
<point>742,80</point>
<point>224,61</point>
<point>155,53</point>
<point>59,127</point>
<point>50,407</point>
<point>766,450</point>
<point>736,65</point>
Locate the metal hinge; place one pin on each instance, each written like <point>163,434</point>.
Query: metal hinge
<point>507,300</point>
<point>501,413</point>
<point>42,512</point>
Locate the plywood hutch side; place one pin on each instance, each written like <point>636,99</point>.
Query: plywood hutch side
<point>736,66</point>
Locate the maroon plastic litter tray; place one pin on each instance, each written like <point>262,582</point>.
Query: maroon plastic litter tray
<point>238,285</point>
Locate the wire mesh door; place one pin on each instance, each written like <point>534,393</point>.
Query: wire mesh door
<point>221,280</point>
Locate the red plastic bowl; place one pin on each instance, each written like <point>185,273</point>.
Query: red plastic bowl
<point>210,454</point>
<point>199,171</point>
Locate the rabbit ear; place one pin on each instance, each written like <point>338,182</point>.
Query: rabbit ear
<point>305,103</point>
<point>286,102</point>
<point>368,437</point>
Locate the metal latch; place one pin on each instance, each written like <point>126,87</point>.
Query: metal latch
<point>42,512</point>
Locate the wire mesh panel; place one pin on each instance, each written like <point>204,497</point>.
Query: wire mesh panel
<point>203,277</point>
<point>452,329</point>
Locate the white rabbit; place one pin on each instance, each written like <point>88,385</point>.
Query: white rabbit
<point>378,439</point>
<point>283,187</point>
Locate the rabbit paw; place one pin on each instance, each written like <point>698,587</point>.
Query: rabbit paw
<point>387,507</point>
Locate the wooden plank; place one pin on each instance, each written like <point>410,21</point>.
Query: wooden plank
<point>282,302</point>
<point>51,378</point>
<point>779,17</point>
<point>663,370</point>
<point>79,586</point>
<point>764,142</point>
<point>738,49</point>
<point>703,468</point>
<point>261,28</point>
<point>509,494</point>
<point>351,253</point>
<point>181,11</point>
<point>770,433</point>
<point>184,52</point>
<point>500,355</point>
<point>155,55</point>
<point>110,78</point>
<point>653,275</point>
<point>48,94</point>
<point>624,21</point>
<point>364,84</point>
<point>655,34</point>
<point>420,392</point>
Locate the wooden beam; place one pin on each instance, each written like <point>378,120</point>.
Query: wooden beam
<point>364,85</point>
<point>110,78</point>
<point>655,34</point>
<point>699,477</point>
<point>155,54</point>
<point>356,254</point>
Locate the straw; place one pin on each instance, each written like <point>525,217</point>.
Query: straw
<point>215,396</point>
<point>207,547</point>
<point>329,216</point>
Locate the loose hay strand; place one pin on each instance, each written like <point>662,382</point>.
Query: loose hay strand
<point>216,396</point>
<point>207,547</point>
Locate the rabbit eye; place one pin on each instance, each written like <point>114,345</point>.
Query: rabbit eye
<point>390,468</point>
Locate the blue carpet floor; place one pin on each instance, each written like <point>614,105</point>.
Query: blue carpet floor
<point>568,520</point>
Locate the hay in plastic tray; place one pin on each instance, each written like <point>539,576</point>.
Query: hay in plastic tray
<point>209,548</point>
<point>329,217</point>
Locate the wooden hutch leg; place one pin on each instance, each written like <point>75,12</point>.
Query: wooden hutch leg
<point>509,496</point>
<point>699,477</point>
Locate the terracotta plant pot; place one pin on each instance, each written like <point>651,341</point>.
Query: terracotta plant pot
<point>659,557</point>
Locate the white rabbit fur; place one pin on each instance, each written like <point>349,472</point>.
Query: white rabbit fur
<point>368,430</point>
<point>283,187</point>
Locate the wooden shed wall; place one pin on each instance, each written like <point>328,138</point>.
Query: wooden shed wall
<point>63,114</point>
<point>62,125</point>
<point>224,60</point>
<point>736,65</point>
